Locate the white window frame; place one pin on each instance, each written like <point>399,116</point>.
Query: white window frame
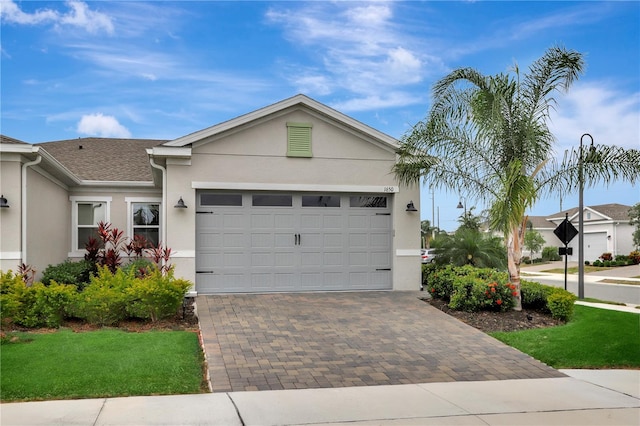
<point>130,201</point>
<point>75,200</point>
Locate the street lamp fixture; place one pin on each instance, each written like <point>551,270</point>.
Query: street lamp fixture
<point>462,206</point>
<point>581,218</point>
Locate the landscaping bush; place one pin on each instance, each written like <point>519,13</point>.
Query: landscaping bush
<point>550,253</point>
<point>534,294</point>
<point>606,256</point>
<point>634,256</point>
<point>103,301</point>
<point>156,296</point>
<point>68,272</point>
<point>36,305</point>
<point>468,294</point>
<point>560,303</point>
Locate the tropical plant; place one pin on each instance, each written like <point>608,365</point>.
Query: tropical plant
<point>470,247</point>
<point>487,137</point>
<point>533,241</point>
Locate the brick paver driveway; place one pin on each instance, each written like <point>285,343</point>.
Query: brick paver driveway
<point>323,340</point>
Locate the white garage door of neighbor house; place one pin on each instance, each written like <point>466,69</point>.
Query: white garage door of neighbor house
<point>594,245</point>
<point>290,242</point>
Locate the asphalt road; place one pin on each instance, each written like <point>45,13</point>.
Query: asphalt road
<point>593,283</point>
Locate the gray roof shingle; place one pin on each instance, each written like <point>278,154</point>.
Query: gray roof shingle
<point>104,159</point>
<point>7,139</point>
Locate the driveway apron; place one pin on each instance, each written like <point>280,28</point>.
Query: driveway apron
<point>324,340</point>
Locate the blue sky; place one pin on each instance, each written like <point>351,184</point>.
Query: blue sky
<point>164,69</point>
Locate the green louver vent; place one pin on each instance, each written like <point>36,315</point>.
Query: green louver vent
<point>299,139</point>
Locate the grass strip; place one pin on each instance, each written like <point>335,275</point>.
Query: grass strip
<point>104,363</point>
<point>594,338</point>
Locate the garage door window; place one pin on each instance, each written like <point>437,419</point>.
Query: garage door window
<point>221,200</point>
<point>270,200</point>
<point>320,201</point>
<point>368,202</point>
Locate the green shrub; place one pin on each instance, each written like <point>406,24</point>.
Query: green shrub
<point>156,296</point>
<point>587,263</point>
<point>12,288</point>
<point>534,294</point>
<point>68,272</point>
<point>468,294</point>
<point>53,303</point>
<point>597,263</point>
<point>103,301</point>
<point>550,253</point>
<point>36,305</point>
<point>560,303</point>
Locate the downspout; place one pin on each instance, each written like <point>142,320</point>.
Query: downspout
<point>163,221</point>
<point>23,208</point>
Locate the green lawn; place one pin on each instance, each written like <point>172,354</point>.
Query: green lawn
<point>105,363</point>
<point>594,338</point>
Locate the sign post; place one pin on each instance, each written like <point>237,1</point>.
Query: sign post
<point>565,232</point>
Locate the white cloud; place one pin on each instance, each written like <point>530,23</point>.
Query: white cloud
<point>373,102</point>
<point>361,50</point>
<point>79,16</point>
<point>611,116</point>
<point>102,125</point>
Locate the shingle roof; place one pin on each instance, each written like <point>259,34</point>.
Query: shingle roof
<point>541,222</point>
<point>614,211</point>
<point>7,139</point>
<point>104,159</point>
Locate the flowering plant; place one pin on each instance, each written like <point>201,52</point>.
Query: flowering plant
<point>499,296</point>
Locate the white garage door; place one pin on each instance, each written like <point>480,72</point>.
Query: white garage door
<point>257,242</point>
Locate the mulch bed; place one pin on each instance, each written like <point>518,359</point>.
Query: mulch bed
<point>489,321</point>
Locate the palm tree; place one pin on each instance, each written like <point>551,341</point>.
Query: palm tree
<point>487,137</point>
<point>470,247</point>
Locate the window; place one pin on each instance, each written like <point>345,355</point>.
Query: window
<point>220,199</point>
<point>368,201</point>
<point>320,201</point>
<point>87,213</point>
<point>144,218</point>
<point>299,140</point>
<point>267,200</point>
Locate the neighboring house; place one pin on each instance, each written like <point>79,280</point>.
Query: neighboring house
<point>606,230</point>
<point>292,197</point>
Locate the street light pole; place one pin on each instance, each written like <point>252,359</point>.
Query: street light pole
<point>581,219</point>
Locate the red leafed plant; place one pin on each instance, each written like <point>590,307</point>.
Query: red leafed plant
<point>27,272</point>
<point>106,250</point>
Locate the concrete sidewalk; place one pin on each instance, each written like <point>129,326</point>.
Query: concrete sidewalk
<point>589,397</point>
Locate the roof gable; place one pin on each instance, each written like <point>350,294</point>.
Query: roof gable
<point>298,101</point>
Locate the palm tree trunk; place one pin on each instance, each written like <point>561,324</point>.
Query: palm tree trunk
<point>514,257</point>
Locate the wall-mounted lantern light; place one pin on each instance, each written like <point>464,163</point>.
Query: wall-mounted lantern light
<point>411,207</point>
<point>3,202</point>
<point>180,204</point>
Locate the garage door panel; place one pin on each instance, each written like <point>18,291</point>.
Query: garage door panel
<point>283,221</point>
<point>233,260</point>
<point>284,259</point>
<point>310,221</point>
<point>310,259</point>
<point>380,259</point>
<point>231,220</point>
<point>332,259</point>
<point>234,241</point>
<point>380,240</point>
<point>333,241</point>
<point>358,258</point>
<point>261,221</point>
<point>358,221</point>
<point>210,240</point>
<point>380,222</point>
<point>262,259</point>
<point>332,222</point>
<point>264,240</point>
<point>358,240</point>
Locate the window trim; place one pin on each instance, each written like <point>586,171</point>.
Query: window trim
<point>151,200</point>
<point>75,200</point>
